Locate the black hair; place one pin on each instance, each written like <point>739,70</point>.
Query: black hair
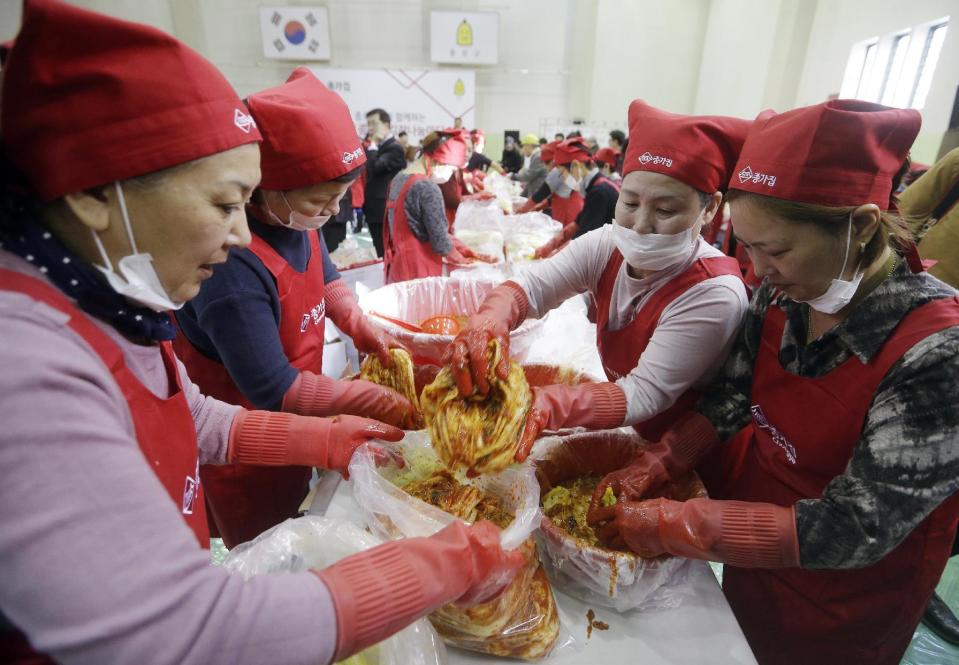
<point>574,134</point>
<point>350,176</point>
<point>559,136</point>
<point>543,141</point>
<point>381,114</point>
<point>619,135</point>
<point>401,134</point>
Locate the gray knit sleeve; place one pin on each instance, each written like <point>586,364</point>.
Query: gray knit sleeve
<point>427,216</point>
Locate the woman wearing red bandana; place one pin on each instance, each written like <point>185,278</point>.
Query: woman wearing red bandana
<point>667,305</point>
<point>254,334</point>
<point>834,421</point>
<point>416,233</point>
<point>111,215</point>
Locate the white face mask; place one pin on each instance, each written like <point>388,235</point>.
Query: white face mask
<point>571,182</point>
<point>298,221</point>
<point>440,173</point>
<point>840,291</point>
<point>655,251</point>
<point>138,280</point>
<point>554,180</point>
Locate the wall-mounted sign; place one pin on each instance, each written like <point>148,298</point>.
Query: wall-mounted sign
<point>295,33</point>
<point>464,37</point>
<point>418,101</point>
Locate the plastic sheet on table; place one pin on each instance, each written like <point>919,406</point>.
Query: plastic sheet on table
<point>416,300</point>
<point>522,621</point>
<point>594,574</point>
<point>304,543</point>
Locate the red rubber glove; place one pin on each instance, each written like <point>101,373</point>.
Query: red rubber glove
<point>455,258</point>
<point>556,243</point>
<point>342,309</point>
<point>590,405</point>
<point>501,311</point>
<point>380,591</point>
<point>465,250</point>
<point>531,206</point>
<point>268,438</point>
<point>671,457</point>
<point>317,395</point>
<point>741,533</point>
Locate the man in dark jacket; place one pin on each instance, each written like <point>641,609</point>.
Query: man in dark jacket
<point>384,159</point>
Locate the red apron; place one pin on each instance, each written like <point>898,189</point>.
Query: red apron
<point>566,210</point>
<point>244,500</point>
<point>803,434</point>
<point>620,350</point>
<point>405,255</point>
<point>164,428</point>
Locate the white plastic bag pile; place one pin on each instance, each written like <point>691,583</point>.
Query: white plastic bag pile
<point>298,545</point>
<point>351,252</point>
<point>505,190</point>
<point>483,228</point>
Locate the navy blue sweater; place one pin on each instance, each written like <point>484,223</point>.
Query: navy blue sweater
<point>599,206</point>
<point>235,318</point>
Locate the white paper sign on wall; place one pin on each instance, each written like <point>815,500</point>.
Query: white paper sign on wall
<point>295,33</point>
<point>464,37</point>
<point>418,101</point>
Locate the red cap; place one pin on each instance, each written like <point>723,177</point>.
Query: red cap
<point>699,150</point>
<point>606,156</point>
<point>453,149</point>
<point>570,150</point>
<point>548,151</point>
<point>308,133</point>
<point>842,152</point>
<point>89,99</point>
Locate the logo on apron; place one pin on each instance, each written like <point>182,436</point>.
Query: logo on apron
<point>316,314</point>
<point>191,489</point>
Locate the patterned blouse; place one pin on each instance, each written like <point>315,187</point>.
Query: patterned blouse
<point>906,461</point>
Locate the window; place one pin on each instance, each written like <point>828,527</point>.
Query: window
<point>896,69</point>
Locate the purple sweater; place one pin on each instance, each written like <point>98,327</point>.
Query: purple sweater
<point>96,564</point>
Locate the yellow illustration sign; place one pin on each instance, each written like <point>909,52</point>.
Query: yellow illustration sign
<point>459,88</point>
<point>464,34</point>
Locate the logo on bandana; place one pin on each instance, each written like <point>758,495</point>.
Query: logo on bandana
<point>760,419</point>
<point>647,158</point>
<point>757,178</point>
<point>243,120</point>
<point>348,157</point>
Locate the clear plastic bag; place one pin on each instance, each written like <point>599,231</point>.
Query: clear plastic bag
<point>351,252</point>
<point>484,215</point>
<point>300,544</point>
<point>392,513</point>
<point>419,299</point>
<point>483,242</point>
<point>526,233</point>
<point>610,578</point>
<point>522,621</point>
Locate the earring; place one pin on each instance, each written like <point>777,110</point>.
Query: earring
<point>862,247</point>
